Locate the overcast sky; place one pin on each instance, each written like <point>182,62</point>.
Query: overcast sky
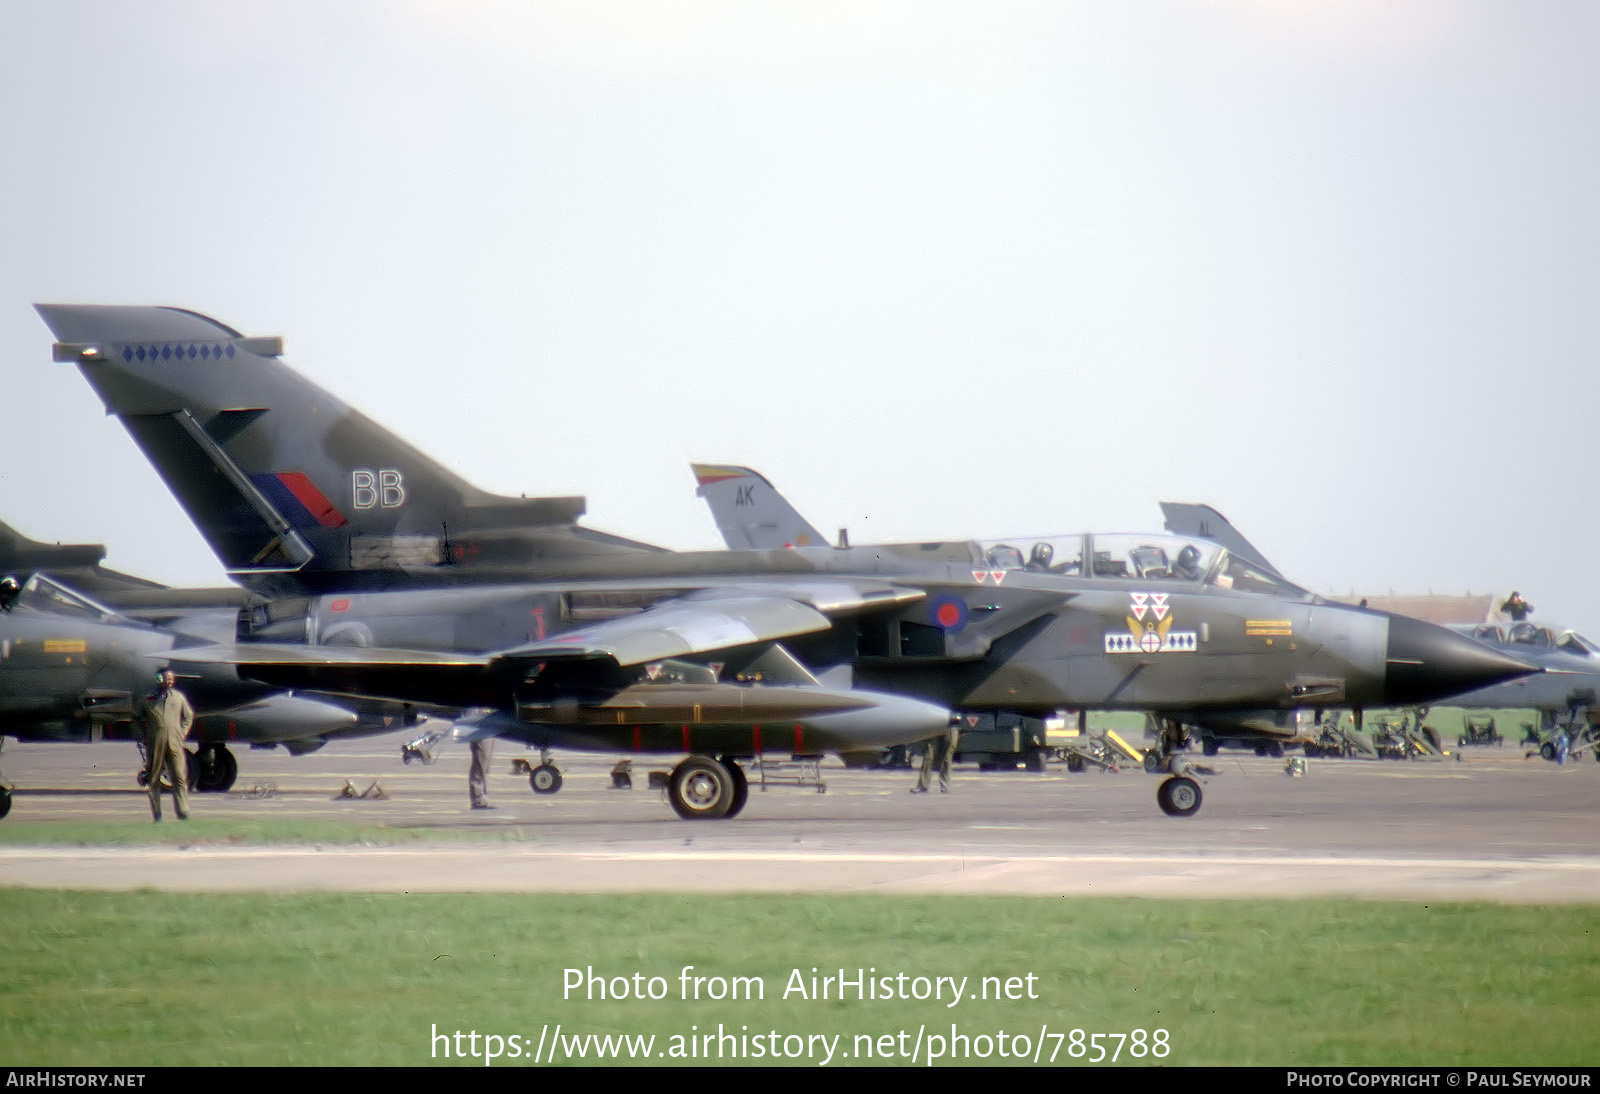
<point>937,270</point>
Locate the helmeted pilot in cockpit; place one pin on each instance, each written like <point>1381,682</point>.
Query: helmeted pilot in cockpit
<point>1187,564</point>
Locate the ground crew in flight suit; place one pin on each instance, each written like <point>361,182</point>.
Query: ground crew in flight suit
<point>478,773</point>
<point>938,754</point>
<point>167,718</point>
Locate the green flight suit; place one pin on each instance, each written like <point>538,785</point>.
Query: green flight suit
<point>167,718</point>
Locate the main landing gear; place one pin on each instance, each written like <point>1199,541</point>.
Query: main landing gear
<point>703,788</point>
<point>213,769</point>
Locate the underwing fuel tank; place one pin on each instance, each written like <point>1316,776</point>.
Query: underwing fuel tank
<point>275,719</point>
<point>672,717</point>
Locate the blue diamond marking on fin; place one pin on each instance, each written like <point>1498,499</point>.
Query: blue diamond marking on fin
<point>191,351</point>
<point>230,351</point>
<point>127,354</point>
<point>141,353</point>
<point>166,353</point>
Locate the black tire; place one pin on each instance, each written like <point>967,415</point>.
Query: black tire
<point>1179,796</point>
<point>214,770</point>
<point>1074,763</point>
<point>741,785</point>
<point>5,802</point>
<point>1152,762</point>
<point>1547,751</point>
<point>700,788</point>
<point>545,779</point>
<point>1034,762</point>
<point>1209,747</point>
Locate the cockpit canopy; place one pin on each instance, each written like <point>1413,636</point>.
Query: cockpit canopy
<point>1135,557</point>
<point>42,593</point>
<point>1536,636</point>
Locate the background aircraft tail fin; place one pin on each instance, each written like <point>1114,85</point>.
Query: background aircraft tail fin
<point>1186,519</point>
<point>749,512</point>
<point>21,555</point>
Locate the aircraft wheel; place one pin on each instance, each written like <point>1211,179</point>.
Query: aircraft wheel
<point>741,785</point>
<point>213,770</point>
<point>545,779</point>
<point>1074,763</point>
<point>700,788</point>
<point>1179,797</point>
<point>5,802</point>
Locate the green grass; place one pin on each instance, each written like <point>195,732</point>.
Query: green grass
<point>147,978</point>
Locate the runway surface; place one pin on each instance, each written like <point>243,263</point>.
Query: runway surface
<point>1487,826</point>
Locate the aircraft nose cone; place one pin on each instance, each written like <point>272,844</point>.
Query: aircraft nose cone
<point>1427,663</point>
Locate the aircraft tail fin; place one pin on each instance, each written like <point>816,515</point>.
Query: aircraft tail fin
<point>1186,519</point>
<point>77,563</point>
<point>279,474</point>
<point>18,553</point>
<point>749,512</point>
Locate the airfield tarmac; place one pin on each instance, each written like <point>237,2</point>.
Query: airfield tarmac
<point>1487,826</point>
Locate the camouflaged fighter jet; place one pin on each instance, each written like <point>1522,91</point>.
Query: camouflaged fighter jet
<point>79,640</point>
<point>71,668</point>
<point>576,638</point>
<point>748,510</point>
<point>1564,693</point>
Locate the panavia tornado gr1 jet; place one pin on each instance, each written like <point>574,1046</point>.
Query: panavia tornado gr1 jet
<point>749,511</point>
<point>1564,694</point>
<point>397,579</point>
<point>72,669</point>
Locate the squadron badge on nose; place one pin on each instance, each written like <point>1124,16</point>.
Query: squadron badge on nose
<point>1150,628</point>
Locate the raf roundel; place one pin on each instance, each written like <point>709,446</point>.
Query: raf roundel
<point>948,612</point>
